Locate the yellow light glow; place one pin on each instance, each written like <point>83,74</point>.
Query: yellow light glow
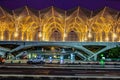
<point>114,35</point>
<point>16,34</point>
<point>27,39</point>
<point>22,38</point>
<point>52,48</point>
<point>85,39</point>
<point>25,26</point>
<point>40,34</point>
<point>65,35</point>
<point>106,39</point>
<point>2,38</point>
<point>55,56</point>
<point>118,40</point>
<point>89,35</point>
<point>43,38</point>
<point>101,41</point>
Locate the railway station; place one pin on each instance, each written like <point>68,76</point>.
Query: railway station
<point>63,34</point>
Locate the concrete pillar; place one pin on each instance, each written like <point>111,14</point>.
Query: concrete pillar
<point>95,58</point>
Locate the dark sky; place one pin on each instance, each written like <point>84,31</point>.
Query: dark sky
<point>63,4</point>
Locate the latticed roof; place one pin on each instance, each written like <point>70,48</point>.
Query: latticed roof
<point>29,22</point>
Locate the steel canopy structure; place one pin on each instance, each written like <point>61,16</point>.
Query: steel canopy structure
<point>53,24</point>
<point>32,23</point>
<point>41,20</point>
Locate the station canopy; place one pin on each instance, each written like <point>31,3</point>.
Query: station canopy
<point>43,19</point>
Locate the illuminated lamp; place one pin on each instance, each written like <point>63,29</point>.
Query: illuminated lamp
<point>89,35</point>
<point>40,34</point>
<point>106,39</point>
<point>16,34</point>
<point>114,35</point>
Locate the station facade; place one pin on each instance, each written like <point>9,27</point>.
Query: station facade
<point>76,34</point>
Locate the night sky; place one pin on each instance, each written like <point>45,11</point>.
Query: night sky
<point>62,4</point>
